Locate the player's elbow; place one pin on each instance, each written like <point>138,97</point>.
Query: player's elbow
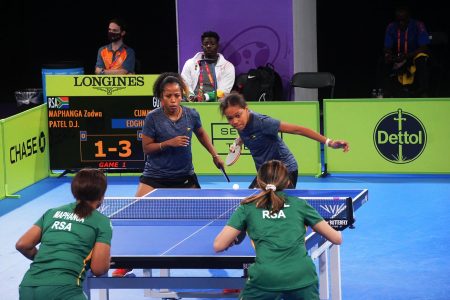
<point>336,238</point>
<point>219,245</point>
<point>99,269</point>
<point>21,246</point>
<point>101,258</point>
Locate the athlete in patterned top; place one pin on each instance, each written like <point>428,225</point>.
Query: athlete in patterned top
<point>276,224</point>
<point>259,133</point>
<point>73,238</point>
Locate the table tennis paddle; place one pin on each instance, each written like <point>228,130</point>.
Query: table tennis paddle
<point>225,173</point>
<point>233,155</point>
<point>240,237</point>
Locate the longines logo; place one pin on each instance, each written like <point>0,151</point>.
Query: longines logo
<point>108,84</point>
<point>109,90</point>
<point>400,137</point>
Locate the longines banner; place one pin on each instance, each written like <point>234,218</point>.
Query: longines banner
<point>99,85</point>
<point>389,135</point>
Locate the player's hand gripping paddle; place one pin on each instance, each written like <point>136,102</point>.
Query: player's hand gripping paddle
<point>224,173</point>
<point>233,155</point>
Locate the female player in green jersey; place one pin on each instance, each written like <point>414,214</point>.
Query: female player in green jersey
<point>73,238</point>
<point>276,224</point>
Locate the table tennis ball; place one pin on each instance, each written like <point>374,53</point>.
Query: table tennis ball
<point>235,186</point>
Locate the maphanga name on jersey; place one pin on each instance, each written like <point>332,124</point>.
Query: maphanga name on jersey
<point>67,216</point>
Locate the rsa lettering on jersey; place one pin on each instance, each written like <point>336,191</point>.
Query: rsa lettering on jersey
<point>61,225</point>
<point>267,215</point>
<point>65,225</point>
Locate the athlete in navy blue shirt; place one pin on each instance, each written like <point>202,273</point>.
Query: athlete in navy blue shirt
<point>259,133</point>
<point>166,141</point>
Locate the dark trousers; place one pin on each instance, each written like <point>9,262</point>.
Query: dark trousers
<point>388,81</point>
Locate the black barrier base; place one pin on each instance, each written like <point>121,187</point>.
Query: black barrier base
<point>67,172</point>
<point>104,170</point>
<point>324,172</point>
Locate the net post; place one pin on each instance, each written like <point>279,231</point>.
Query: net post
<point>350,212</point>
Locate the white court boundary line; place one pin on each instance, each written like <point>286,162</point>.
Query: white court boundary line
<point>203,227</point>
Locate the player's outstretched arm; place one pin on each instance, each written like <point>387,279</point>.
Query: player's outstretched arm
<point>328,232</point>
<point>312,134</point>
<point>339,144</point>
<point>226,238</point>
<point>27,242</point>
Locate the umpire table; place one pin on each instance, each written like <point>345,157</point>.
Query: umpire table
<point>175,229</point>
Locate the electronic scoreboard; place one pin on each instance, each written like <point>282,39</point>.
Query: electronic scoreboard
<point>100,132</point>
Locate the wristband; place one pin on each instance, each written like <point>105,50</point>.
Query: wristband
<point>327,142</point>
<point>160,146</point>
<point>102,72</point>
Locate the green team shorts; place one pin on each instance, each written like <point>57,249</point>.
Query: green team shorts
<point>51,292</point>
<point>311,292</point>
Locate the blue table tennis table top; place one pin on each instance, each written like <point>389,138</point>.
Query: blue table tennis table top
<point>189,243</point>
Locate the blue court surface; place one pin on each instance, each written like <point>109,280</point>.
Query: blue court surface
<point>398,249</point>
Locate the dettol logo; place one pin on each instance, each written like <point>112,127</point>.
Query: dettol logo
<point>400,137</point>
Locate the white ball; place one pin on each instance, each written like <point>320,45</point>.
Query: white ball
<point>235,186</point>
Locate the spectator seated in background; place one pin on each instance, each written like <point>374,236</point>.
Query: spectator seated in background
<point>406,67</point>
<point>208,74</point>
<point>115,58</point>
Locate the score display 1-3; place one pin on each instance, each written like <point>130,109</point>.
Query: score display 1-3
<point>112,150</point>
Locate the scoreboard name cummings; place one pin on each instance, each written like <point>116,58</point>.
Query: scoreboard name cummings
<point>400,137</point>
<point>108,81</point>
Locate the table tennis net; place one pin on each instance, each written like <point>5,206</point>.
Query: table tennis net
<point>335,209</point>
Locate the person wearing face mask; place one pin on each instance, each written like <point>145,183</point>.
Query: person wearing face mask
<point>208,74</point>
<point>116,58</point>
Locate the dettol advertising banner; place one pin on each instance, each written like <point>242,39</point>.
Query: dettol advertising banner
<point>306,151</point>
<point>389,135</point>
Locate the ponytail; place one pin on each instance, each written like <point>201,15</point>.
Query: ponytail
<point>83,209</point>
<point>272,176</point>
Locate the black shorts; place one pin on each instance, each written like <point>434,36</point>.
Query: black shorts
<point>292,177</point>
<point>185,182</point>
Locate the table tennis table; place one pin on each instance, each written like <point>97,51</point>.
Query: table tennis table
<point>175,229</point>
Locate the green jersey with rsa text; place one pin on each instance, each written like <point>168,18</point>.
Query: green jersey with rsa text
<point>282,262</point>
<point>66,246</point>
